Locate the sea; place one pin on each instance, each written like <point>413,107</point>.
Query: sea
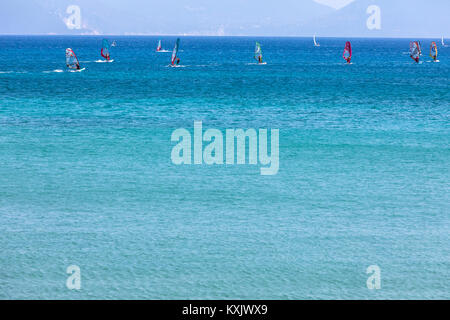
<point>359,208</point>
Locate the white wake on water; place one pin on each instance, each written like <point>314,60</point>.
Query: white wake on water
<point>9,72</point>
<point>81,70</point>
<point>56,71</point>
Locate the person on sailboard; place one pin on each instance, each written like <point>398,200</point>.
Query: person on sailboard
<point>106,56</point>
<point>78,66</point>
<point>178,61</point>
<point>416,59</point>
<point>260,59</point>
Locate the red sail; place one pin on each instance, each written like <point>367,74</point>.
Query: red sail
<point>103,55</point>
<point>105,50</point>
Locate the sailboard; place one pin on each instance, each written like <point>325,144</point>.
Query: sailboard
<point>72,60</point>
<point>434,51</point>
<point>175,61</point>
<point>414,51</point>
<point>105,50</point>
<point>348,52</point>
<point>114,44</point>
<point>316,44</point>
<point>258,54</point>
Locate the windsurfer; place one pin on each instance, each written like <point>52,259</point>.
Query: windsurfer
<point>178,61</point>
<point>348,52</point>
<point>434,51</point>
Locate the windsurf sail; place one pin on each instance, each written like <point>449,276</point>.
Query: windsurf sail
<point>114,43</point>
<point>414,50</point>
<point>105,50</point>
<point>258,53</point>
<point>72,60</point>
<point>315,42</point>
<point>159,47</point>
<point>442,41</point>
<point>433,51</point>
<point>348,52</point>
<point>175,51</point>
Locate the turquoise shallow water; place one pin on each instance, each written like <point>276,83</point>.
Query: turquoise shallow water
<point>86,176</point>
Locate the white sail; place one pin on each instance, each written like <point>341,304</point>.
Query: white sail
<point>315,42</point>
<point>442,40</point>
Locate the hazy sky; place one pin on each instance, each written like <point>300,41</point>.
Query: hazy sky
<point>377,18</point>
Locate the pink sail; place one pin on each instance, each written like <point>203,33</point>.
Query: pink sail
<point>348,52</point>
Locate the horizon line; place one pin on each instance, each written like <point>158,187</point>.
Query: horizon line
<point>211,36</point>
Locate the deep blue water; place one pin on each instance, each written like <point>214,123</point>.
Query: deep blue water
<point>86,176</point>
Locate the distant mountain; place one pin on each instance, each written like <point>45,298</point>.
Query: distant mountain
<point>336,4</point>
<point>232,17</point>
<point>399,18</point>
